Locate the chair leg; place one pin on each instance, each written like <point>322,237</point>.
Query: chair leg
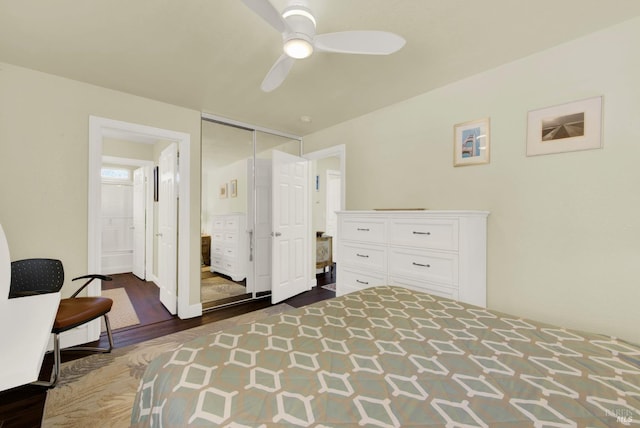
<point>56,355</point>
<point>109,335</point>
<point>56,365</point>
<point>93,348</point>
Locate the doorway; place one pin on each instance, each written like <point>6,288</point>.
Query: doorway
<point>99,130</point>
<point>127,209</point>
<point>329,195</point>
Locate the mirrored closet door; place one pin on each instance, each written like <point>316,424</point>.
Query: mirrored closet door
<point>236,217</point>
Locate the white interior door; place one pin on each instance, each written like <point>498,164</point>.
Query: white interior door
<point>139,224</point>
<point>117,227</point>
<point>167,228</point>
<point>259,212</point>
<point>291,226</point>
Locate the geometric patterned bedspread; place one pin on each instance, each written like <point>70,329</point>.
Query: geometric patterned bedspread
<point>390,357</point>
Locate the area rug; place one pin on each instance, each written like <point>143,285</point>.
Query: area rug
<point>331,287</point>
<point>122,313</point>
<point>99,390</point>
<point>217,288</point>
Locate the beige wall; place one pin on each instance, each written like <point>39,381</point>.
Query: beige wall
<point>564,232</point>
<point>44,128</point>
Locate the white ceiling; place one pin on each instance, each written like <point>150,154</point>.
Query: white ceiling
<point>211,55</point>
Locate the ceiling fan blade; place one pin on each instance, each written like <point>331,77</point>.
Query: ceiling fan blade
<point>265,10</point>
<point>277,74</point>
<point>359,42</point>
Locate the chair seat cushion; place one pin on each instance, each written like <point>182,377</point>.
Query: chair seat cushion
<point>79,310</point>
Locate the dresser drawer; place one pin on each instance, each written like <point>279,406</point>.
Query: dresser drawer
<point>230,237</point>
<point>222,264</point>
<point>363,256</point>
<point>217,237</point>
<point>230,252</point>
<point>425,287</point>
<point>424,265</point>
<point>217,224</point>
<point>231,224</point>
<point>354,279</point>
<point>230,266</point>
<point>217,249</point>
<point>216,262</point>
<point>425,233</point>
<point>364,229</point>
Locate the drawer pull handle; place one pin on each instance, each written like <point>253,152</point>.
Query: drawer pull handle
<point>421,233</point>
<point>366,256</point>
<point>362,282</point>
<point>362,229</point>
<point>421,265</point>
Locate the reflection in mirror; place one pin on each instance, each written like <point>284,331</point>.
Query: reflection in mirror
<point>260,206</point>
<point>225,241</point>
<point>236,211</point>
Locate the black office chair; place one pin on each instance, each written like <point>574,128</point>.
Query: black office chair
<point>39,276</point>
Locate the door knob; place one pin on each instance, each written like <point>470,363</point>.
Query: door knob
<point>276,234</point>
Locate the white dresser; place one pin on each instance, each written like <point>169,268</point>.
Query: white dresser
<point>438,252</point>
<point>229,245</point>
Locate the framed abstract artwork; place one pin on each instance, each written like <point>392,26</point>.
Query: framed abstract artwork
<point>471,142</point>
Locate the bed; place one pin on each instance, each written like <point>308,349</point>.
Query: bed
<point>387,357</point>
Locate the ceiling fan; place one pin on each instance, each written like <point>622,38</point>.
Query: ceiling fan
<point>298,27</point>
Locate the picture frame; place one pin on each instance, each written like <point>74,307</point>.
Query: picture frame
<point>222,194</point>
<point>233,188</point>
<point>564,128</point>
<point>471,142</point>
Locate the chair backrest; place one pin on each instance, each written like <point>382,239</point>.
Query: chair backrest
<point>36,276</point>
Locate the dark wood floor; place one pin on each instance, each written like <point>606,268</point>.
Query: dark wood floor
<point>24,406</point>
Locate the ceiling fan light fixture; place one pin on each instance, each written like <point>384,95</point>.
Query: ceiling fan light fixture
<point>298,48</point>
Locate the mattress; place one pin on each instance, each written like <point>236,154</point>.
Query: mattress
<point>390,357</point>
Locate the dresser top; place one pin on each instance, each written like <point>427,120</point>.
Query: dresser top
<point>434,213</point>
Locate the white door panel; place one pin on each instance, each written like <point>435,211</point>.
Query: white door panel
<point>291,231</point>
<point>260,215</point>
<point>139,224</point>
<point>167,228</point>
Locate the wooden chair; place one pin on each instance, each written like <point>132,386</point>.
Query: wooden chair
<point>38,276</point>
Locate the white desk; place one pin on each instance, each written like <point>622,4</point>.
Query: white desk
<point>25,328</point>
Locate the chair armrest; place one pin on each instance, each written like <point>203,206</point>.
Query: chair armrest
<point>90,278</point>
<point>94,276</point>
